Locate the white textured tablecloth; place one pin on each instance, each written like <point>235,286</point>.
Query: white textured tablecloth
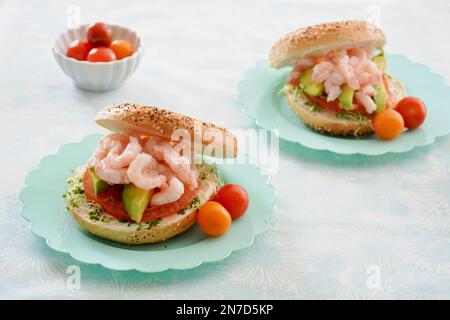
<point>347,227</point>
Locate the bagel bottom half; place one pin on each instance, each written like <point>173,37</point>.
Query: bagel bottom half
<point>334,122</point>
<point>91,217</point>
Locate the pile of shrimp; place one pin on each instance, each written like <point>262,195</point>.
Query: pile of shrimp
<point>147,162</point>
<point>353,67</point>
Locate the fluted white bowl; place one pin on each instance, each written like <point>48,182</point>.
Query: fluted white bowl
<point>98,76</point>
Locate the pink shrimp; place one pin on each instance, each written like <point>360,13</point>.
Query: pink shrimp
<point>181,166</point>
<point>110,143</point>
<point>170,193</point>
<point>143,174</point>
<point>155,146</point>
<point>366,101</point>
<point>322,71</point>
<point>359,53</point>
<point>333,91</point>
<point>110,175</point>
<point>343,64</point>
<point>368,90</point>
<point>163,150</point>
<point>122,158</point>
<point>333,85</point>
<point>367,73</point>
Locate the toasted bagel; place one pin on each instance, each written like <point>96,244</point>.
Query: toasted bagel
<point>150,120</point>
<point>317,40</point>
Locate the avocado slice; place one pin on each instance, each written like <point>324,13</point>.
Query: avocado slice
<point>135,200</point>
<point>380,61</point>
<point>310,87</point>
<point>346,97</point>
<point>380,96</point>
<point>98,185</point>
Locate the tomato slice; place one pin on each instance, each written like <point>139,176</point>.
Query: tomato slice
<point>111,202</point>
<point>168,209</point>
<point>334,105</point>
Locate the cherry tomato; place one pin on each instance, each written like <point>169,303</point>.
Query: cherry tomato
<point>413,111</point>
<point>79,50</point>
<point>234,198</point>
<point>99,34</point>
<point>122,48</point>
<point>388,124</point>
<point>101,54</point>
<point>213,218</point>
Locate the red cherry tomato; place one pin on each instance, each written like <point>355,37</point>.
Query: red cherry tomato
<point>101,54</point>
<point>79,50</point>
<point>413,111</point>
<point>234,198</point>
<point>99,34</point>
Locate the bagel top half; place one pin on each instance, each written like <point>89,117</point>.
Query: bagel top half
<point>150,120</point>
<point>317,40</point>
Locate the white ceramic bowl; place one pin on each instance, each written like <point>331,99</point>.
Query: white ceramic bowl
<point>98,76</point>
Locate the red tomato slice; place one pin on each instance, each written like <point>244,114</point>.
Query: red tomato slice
<point>111,202</point>
<point>165,210</point>
<point>334,105</point>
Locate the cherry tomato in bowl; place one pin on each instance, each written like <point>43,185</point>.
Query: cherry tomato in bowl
<point>79,50</point>
<point>101,54</point>
<point>234,198</point>
<point>99,34</point>
<point>122,48</point>
<point>388,124</point>
<point>413,111</point>
<point>213,219</point>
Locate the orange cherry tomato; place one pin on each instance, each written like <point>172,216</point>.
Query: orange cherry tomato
<point>213,219</point>
<point>122,48</point>
<point>99,34</point>
<point>101,54</point>
<point>79,50</point>
<point>413,111</point>
<point>234,198</point>
<point>388,124</point>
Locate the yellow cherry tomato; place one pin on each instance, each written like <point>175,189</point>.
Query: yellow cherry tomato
<point>122,48</point>
<point>388,124</point>
<point>213,219</point>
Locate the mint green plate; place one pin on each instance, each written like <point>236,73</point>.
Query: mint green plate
<point>44,207</point>
<point>261,100</point>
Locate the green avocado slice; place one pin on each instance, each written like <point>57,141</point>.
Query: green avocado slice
<point>380,61</point>
<point>346,97</point>
<point>98,185</point>
<point>380,96</point>
<point>136,200</point>
<point>310,87</point>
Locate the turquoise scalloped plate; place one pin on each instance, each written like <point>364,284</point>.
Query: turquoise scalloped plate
<point>259,94</point>
<point>44,207</point>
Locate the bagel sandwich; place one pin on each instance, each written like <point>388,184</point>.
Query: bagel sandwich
<point>338,80</point>
<point>141,185</point>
